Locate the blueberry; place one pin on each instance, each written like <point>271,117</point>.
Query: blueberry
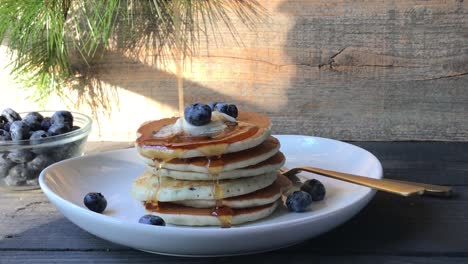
<point>298,201</point>
<point>7,126</point>
<point>19,130</point>
<point>36,136</point>
<point>32,182</point>
<point>212,105</point>
<point>198,114</point>
<point>4,135</point>
<point>152,220</point>
<point>73,148</point>
<point>10,115</point>
<point>75,128</point>
<point>315,188</point>
<point>45,124</point>
<point>20,173</point>
<point>13,181</point>
<point>58,129</point>
<point>20,156</point>
<point>228,109</point>
<point>62,117</point>
<point>69,150</point>
<point>5,165</point>
<point>34,120</point>
<point>39,162</point>
<point>95,202</point>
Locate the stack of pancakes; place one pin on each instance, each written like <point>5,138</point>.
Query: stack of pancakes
<point>225,179</point>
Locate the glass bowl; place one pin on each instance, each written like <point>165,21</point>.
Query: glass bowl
<point>22,161</point>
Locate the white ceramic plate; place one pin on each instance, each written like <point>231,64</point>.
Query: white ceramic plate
<point>111,173</point>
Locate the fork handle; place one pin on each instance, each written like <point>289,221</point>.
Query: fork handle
<point>392,186</point>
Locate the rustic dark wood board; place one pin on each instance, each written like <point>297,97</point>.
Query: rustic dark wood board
<point>390,229</point>
<point>430,162</point>
<point>388,225</point>
<point>21,257</point>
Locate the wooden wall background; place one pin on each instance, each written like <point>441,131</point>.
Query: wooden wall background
<point>344,69</point>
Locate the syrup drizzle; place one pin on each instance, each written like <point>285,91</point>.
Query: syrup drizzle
<point>158,164</point>
<point>223,213</point>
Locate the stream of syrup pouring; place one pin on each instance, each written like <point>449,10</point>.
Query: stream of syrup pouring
<point>214,165</point>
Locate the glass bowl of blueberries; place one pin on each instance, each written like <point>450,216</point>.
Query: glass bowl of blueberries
<point>29,142</point>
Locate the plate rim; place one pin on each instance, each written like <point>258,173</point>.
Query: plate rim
<point>238,230</point>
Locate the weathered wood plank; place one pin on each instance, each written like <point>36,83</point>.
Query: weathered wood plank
<point>93,147</point>
<point>396,225</point>
<point>391,70</point>
<point>342,69</point>
<point>279,257</point>
<point>434,162</point>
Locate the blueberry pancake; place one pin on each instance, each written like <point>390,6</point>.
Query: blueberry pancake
<point>214,166</point>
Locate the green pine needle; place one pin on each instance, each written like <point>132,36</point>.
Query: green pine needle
<point>45,36</point>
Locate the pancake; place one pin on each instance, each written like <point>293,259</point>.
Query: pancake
<point>146,188</point>
<point>272,164</point>
<point>226,162</point>
<point>260,197</point>
<point>251,130</point>
<point>182,215</point>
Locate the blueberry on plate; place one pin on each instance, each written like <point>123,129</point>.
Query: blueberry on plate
<point>298,201</point>
<point>34,120</point>
<point>45,124</point>
<point>95,202</point>
<point>228,109</point>
<point>152,220</point>
<point>4,135</point>
<point>315,188</point>
<point>10,115</point>
<point>62,117</point>
<point>197,114</point>
<point>19,130</point>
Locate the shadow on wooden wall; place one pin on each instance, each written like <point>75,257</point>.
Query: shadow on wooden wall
<point>348,70</point>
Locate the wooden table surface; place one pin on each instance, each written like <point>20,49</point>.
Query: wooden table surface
<point>390,229</point>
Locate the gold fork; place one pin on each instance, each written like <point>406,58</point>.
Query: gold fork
<point>403,188</point>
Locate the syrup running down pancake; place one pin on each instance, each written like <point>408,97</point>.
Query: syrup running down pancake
<point>271,164</point>
<point>226,162</point>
